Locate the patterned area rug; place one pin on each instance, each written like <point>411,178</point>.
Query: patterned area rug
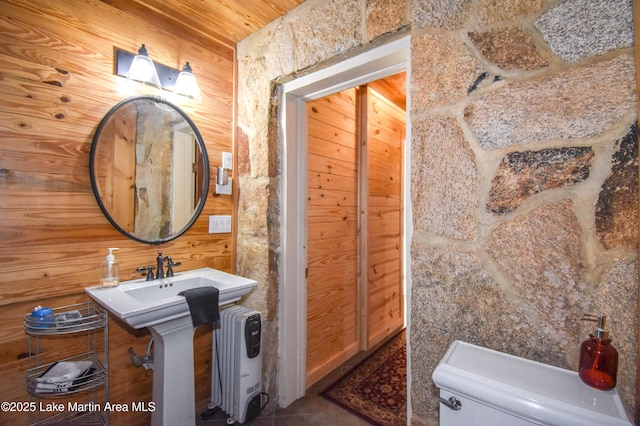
<point>376,389</point>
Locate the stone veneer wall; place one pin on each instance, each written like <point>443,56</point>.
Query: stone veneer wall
<point>524,183</point>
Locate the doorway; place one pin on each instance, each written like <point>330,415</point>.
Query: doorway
<point>355,292</point>
<point>373,65</point>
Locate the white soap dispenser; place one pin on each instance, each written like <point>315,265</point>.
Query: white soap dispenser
<point>110,271</point>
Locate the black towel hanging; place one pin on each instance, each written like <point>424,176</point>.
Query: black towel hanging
<point>203,304</point>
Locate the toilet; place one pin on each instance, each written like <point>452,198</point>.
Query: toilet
<point>479,387</point>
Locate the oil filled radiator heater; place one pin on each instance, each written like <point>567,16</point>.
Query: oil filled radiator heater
<point>236,375</point>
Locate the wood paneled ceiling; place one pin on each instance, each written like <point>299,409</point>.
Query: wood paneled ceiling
<point>214,22</point>
<point>393,88</point>
<point>227,21</point>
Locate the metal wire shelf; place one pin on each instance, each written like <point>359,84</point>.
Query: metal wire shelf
<point>81,324</point>
<point>74,318</point>
<point>89,418</point>
<point>94,378</point>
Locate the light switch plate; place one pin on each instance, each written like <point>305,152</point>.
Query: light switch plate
<point>219,224</point>
<point>227,160</point>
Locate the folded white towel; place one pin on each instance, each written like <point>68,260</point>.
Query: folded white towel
<point>54,387</point>
<point>64,371</point>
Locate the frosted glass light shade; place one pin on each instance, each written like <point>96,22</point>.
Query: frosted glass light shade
<point>186,83</point>
<point>143,69</point>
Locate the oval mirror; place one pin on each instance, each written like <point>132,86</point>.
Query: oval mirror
<point>149,169</point>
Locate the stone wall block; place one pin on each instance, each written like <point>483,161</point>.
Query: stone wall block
<point>541,252</point>
<point>384,16</point>
<point>253,207</point>
<point>525,277</point>
<point>243,164</point>
<point>579,103</point>
<point>477,311</point>
<point>578,29</point>
<point>443,206</point>
<point>523,174</point>
<point>326,29</point>
<point>443,69</point>
<point>492,11</point>
<point>253,116</point>
<point>444,14</point>
<point>617,206</point>
<point>508,48</point>
<point>252,88</point>
<point>274,53</point>
<point>281,51</point>
<point>246,261</point>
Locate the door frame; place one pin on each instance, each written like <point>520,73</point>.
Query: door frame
<point>377,63</point>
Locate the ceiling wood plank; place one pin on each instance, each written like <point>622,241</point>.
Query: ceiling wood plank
<point>225,21</point>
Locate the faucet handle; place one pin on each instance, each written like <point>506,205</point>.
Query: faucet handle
<point>148,271</point>
<point>170,265</point>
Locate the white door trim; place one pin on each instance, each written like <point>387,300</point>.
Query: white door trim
<point>372,65</point>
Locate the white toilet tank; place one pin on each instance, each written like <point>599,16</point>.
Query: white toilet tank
<point>493,388</point>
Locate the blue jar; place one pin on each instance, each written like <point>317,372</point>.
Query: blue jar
<point>43,317</point>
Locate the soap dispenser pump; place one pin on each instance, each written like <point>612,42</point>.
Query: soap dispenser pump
<point>110,271</point>
<point>598,365</point>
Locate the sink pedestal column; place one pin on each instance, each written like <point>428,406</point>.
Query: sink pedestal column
<point>173,373</point>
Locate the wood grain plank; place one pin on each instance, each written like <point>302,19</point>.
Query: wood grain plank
<point>323,197</point>
<point>327,181</point>
<point>331,130</point>
<point>332,280</point>
<point>393,88</point>
<point>334,166</point>
<point>336,229</point>
<point>336,144</point>
<point>57,82</point>
<point>385,297</point>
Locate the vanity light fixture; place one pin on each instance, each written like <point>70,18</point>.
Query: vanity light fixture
<point>141,68</point>
<point>186,83</point>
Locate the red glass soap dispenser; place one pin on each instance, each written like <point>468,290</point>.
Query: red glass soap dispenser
<point>598,366</point>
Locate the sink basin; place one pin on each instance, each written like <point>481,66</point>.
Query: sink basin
<point>143,303</point>
<point>157,306</point>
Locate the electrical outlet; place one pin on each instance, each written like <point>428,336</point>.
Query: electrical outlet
<point>227,160</point>
<point>220,224</point>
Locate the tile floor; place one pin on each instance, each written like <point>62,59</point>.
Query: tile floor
<point>312,410</point>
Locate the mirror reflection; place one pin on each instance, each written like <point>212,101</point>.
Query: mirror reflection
<point>149,169</point>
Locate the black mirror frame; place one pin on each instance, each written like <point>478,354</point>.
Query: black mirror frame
<point>205,159</point>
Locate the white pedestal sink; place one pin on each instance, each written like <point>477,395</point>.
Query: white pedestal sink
<point>156,305</point>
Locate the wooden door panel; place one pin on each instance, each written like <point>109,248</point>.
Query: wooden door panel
<point>385,127</point>
<point>332,234</point>
<point>355,297</point>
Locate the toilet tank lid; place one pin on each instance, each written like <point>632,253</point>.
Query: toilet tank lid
<point>530,389</point>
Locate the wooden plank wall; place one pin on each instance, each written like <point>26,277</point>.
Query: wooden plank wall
<point>57,83</point>
<point>354,301</point>
<point>385,130</point>
<point>332,275</point>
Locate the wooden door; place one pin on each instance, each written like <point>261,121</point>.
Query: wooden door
<point>383,129</point>
<point>355,295</point>
<point>116,168</point>
<point>332,233</point>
